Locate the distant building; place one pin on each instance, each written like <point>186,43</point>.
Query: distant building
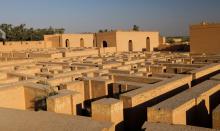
<point>205,38</point>
<point>128,40</point>
<point>121,40</point>
<point>177,40</point>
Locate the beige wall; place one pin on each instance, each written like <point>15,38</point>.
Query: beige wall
<point>19,46</point>
<point>109,37</point>
<point>30,94</point>
<point>54,39</point>
<point>205,38</point>
<point>77,40</point>
<point>12,97</point>
<point>139,40</point>
<point>120,39</point>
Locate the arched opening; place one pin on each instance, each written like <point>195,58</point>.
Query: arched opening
<point>148,44</point>
<point>105,44</point>
<point>130,45</point>
<point>81,42</point>
<point>67,43</point>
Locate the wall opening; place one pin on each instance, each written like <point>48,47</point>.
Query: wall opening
<point>148,44</point>
<point>67,43</point>
<point>105,44</point>
<point>81,42</point>
<point>130,45</point>
<point>94,44</point>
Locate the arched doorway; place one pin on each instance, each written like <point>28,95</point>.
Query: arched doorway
<point>81,42</point>
<point>67,43</point>
<point>130,45</point>
<point>148,44</point>
<point>105,44</point>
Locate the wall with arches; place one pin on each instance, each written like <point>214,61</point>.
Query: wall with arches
<point>138,40</point>
<point>77,40</point>
<point>128,40</point>
<point>70,40</point>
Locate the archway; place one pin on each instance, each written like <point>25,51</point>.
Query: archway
<point>130,45</point>
<point>81,42</point>
<point>148,44</point>
<point>105,44</point>
<point>67,43</point>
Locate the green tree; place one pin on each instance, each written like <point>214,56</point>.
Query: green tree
<point>22,33</point>
<point>136,28</point>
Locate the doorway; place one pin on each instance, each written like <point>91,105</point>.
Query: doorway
<point>81,42</point>
<point>130,45</point>
<point>148,44</point>
<point>67,43</point>
<point>105,44</point>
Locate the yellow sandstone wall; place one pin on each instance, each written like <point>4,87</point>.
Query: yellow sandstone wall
<point>121,39</point>
<point>205,38</point>
<point>78,40</point>
<point>24,45</point>
<point>54,39</point>
<point>109,37</point>
<point>139,40</point>
<point>12,97</point>
<point>70,40</point>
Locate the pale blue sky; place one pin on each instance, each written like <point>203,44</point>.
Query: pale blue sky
<point>170,17</point>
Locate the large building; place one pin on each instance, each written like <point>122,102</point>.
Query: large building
<point>128,40</point>
<point>205,38</point>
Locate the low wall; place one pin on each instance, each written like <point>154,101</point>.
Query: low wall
<point>23,45</point>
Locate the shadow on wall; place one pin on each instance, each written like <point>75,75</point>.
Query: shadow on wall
<point>198,116</point>
<point>135,117</point>
<point>204,78</point>
<point>214,101</point>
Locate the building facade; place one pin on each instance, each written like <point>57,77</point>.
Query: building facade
<point>205,38</point>
<point>70,40</point>
<point>128,40</point>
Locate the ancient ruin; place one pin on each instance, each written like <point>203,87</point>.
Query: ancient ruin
<point>108,81</point>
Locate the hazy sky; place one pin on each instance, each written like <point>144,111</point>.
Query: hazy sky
<point>170,17</point>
